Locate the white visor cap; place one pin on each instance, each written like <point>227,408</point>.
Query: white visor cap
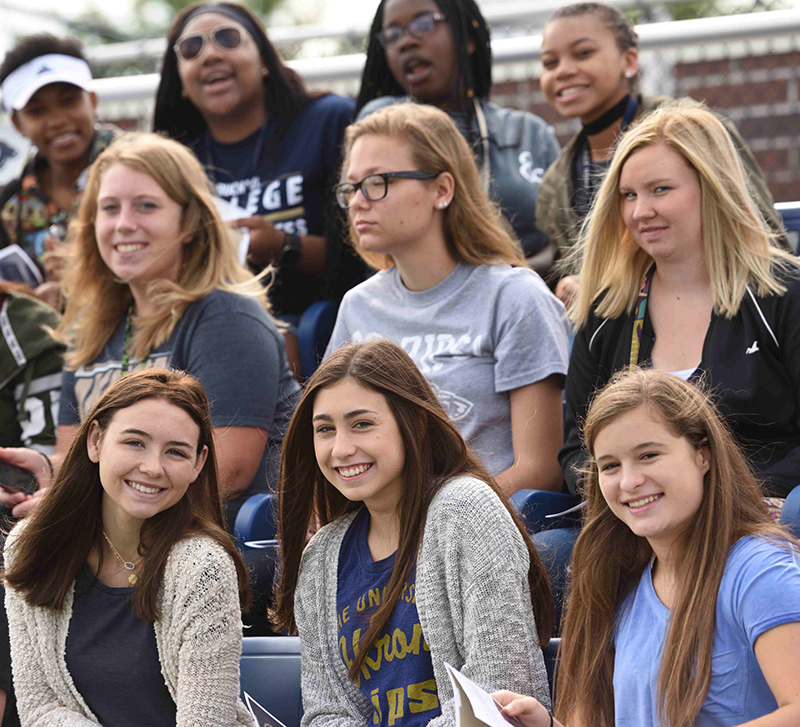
<point>26,80</point>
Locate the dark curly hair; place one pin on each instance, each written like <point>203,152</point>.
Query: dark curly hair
<point>474,70</point>
<point>33,46</point>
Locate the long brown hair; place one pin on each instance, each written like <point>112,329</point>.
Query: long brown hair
<point>97,301</point>
<point>59,536</point>
<point>435,452</point>
<point>608,560</point>
<point>736,240</point>
<point>474,228</point>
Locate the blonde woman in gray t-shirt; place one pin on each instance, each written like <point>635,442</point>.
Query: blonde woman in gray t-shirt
<point>453,290</point>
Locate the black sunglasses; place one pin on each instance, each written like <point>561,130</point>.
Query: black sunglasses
<point>374,186</point>
<point>420,27</point>
<point>225,37</point>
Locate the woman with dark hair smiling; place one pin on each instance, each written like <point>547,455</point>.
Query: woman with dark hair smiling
<point>123,590</point>
<point>270,146</point>
<point>420,552</point>
<point>439,53</point>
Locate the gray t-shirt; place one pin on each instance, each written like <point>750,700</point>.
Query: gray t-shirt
<point>480,333</point>
<point>230,344</point>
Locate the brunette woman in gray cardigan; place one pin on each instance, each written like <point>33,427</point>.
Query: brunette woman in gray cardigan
<point>419,560</point>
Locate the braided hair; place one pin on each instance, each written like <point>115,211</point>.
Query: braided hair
<point>474,70</point>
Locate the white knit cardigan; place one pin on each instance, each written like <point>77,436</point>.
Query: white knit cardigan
<point>473,601</point>
<point>199,639</point>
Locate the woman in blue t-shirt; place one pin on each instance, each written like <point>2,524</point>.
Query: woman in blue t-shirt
<point>271,148</point>
<point>685,601</point>
<point>420,560</point>
<point>154,281</point>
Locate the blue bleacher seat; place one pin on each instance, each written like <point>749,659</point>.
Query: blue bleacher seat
<point>256,519</point>
<point>790,515</point>
<point>551,662</point>
<point>270,673</point>
<point>314,332</point>
<point>533,505</point>
<point>790,211</point>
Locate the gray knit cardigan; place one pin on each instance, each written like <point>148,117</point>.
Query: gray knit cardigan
<point>199,639</point>
<point>472,596</point>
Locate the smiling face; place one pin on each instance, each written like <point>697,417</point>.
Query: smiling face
<point>148,458</point>
<point>426,68</point>
<point>583,68</point>
<point>662,203</point>
<point>222,82</point>
<point>358,444</point>
<point>138,228</point>
<point>59,120</point>
<point>651,479</point>
<point>408,220</point>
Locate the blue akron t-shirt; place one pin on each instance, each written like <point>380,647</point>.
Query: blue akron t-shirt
<point>397,676</point>
<point>290,182</point>
<point>760,590</point>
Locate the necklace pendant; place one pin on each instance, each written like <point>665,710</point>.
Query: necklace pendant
<point>132,579</point>
<point>128,565</point>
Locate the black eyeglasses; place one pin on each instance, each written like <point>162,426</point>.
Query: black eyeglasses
<point>375,186</point>
<point>225,37</point>
<point>420,27</point>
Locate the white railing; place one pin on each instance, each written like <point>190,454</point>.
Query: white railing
<point>508,50</point>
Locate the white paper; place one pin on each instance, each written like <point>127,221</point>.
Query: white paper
<point>231,212</point>
<point>17,267</point>
<point>262,717</point>
<point>261,543</point>
<point>484,706</point>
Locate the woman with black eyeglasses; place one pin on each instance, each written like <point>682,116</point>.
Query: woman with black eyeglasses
<point>453,290</point>
<point>439,53</point>
<point>271,147</point>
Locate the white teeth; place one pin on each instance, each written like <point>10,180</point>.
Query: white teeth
<point>644,501</point>
<point>144,488</point>
<point>130,247</point>
<point>216,77</point>
<point>353,471</point>
<point>570,90</point>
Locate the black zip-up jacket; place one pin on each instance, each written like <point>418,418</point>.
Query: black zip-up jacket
<point>750,361</point>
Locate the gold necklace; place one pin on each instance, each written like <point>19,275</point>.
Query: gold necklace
<point>126,564</point>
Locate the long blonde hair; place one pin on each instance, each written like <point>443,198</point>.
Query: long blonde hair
<point>608,560</point>
<point>475,230</point>
<point>736,240</point>
<point>97,301</point>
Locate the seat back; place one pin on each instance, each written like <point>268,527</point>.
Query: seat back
<point>551,664</point>
<point>256,519</point>
<point>790,514</point>
<point>790,212</point>
<point>313,333</point>
<point>270,674</point>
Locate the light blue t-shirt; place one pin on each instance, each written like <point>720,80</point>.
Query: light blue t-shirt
<point>760,590</point>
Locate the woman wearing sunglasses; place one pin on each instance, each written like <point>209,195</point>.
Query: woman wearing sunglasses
<point>439,53</point>
<point>271,147</point>
<point>453,290</point>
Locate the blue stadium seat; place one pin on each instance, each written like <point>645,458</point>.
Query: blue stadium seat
<point>256,519</point>
<point>270,673</point>
<point>790,515</point>
<point>551,662</point>
<point>790,211</point>
<point>533,505</point>
<point>314,332</point>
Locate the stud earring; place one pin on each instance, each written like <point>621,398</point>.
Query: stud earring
<point>442,205</point>
<point>628,74</point>
<point>265,72</point>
